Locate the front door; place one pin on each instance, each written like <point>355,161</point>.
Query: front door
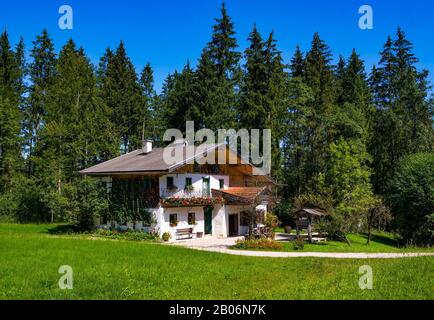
<point>208,220</point>
<point>233,225</point>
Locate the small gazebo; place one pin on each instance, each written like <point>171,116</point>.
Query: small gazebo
<point>305,217</point>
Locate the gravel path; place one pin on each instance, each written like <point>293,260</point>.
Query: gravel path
<point>222,246</point>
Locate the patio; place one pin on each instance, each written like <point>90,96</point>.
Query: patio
<point>207,242</point>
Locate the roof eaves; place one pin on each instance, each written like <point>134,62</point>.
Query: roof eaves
<point>102,173</point>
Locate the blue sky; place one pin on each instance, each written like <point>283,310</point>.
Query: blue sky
<point>167,32</point>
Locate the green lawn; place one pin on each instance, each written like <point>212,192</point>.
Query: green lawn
<point>30,258</point>
<point>380,242</point>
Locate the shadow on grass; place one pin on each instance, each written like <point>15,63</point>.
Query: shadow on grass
<point>385,240</point>
<point>63,229</point>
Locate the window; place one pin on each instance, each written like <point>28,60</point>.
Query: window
<point>191,218</point>
<point>147,183</point>
<point>188,181</point>
<point>206,192</point>
<point>222,183</point>
<point>169,183</point>
<point>173,219</point>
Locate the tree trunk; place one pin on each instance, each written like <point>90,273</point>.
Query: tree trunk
<point>309,229</point>
<point>297,229</point>
<point>370,218</point>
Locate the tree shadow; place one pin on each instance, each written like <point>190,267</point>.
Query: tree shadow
<point>63,229</point>
<point>384,240</point>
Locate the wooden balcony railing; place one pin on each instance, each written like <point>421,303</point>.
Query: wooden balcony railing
<point>185,193</point>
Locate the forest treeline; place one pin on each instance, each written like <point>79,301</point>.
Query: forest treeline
<point>343,137</point>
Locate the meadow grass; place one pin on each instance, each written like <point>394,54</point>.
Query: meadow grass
<point>380,242</point>
<point>105,269</point>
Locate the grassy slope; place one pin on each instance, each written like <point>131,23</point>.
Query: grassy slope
<point>30,259</point>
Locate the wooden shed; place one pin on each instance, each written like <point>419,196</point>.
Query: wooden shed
<point>304,219</point>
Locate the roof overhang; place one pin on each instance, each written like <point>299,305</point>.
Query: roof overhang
<point>241,195</point>
<point>114,166</point>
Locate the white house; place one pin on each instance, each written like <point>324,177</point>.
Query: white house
<point>186,199</point>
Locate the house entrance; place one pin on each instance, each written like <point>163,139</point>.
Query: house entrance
<point>208,220</point>
<point>233,225</point>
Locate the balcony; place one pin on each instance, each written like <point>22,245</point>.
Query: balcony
<point>188,198</point>
<point>184,193</point>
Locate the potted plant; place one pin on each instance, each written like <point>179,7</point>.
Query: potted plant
<point>172,188</point>
<point>189,188</point>
<point>174,224</point>
<point>166,236</point>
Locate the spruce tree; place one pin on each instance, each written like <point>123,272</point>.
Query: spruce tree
<point>263,93</point>
<point>277,101</point>
<point>10,117</point>
<point>178,101</point>
<point>102,69</point>
<point>354,107</point>
<point>253,96</point>
<point>295,147</point>
<point>340,75</point>
<point>77,131</point>
<point>41,74</point>
<point>319,73</point>
<point>149,97</point>
<point>122,92</point>
<point>219,67</point>
<point>355,85</point>
<point>208,93</point>
<point>403,117</point>
<point>319,77</point>
<point>297,64</point>
<point>22,69</point>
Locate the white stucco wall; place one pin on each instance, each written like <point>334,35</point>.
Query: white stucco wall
<point>182,217</point>
<point>219,221</point>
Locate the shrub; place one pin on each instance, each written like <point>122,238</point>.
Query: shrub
<point>298,243</point>
<point>271,222</point>
<point>127,235</point>
<point>262,243</point>
<point>334,226</point>
<point>87,201</point>
<point>411,198</point>
<point>166,236</point>
<point>8,207</point>
<point>24,202</point>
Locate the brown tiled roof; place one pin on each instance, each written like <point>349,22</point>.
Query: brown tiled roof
<point>241,195</point>
<point>137,162</point>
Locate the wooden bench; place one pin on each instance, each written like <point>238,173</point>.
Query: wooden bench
<point>318,240</point>
<point>186,233</point>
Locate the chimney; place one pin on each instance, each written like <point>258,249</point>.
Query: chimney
<point>146,146</point>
